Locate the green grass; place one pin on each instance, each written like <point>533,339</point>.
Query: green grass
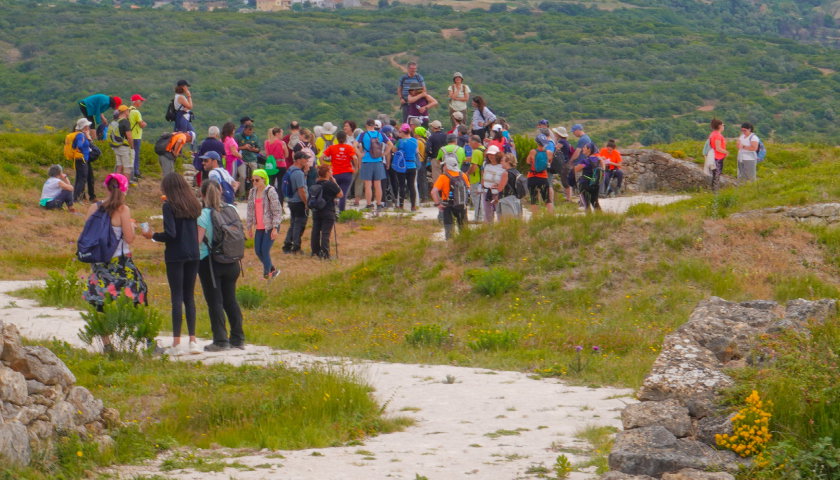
<point>601,439</point>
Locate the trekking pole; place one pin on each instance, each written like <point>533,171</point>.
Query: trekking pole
<point>335,230</point>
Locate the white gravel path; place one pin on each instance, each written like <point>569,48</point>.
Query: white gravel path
<point>449,440</point>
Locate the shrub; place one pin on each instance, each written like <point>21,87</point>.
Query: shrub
<point>63,289</point>
<point>130,326</point>
<point>494,340</point>
<point>493,282</point>
<point>249,297</point>
<point>432,335</point>
<point>350,216</point>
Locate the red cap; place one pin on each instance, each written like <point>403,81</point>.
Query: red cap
<point>137,98</point>
<point>117,101</point>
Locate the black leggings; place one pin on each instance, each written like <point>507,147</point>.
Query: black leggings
<point>221,301</point>
<point>408,186</point>
<point>181,278</point>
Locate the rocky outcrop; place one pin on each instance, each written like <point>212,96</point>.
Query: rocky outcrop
<point>816,214</point>
<point>39,401</point>
<point>652,170</point>
<point>671,433</point>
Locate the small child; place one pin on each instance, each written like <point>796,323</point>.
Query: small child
<point>57,190</point>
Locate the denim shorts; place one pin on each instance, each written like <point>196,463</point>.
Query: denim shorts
<point>373,171</point>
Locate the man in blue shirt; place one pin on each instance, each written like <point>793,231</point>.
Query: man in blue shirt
<point>297,203</point>
<point>583,139</point>
<point>402,90</point>
<point>373,163</point>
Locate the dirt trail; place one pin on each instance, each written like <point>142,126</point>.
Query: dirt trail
<point>471,422</point>
<point>392,59</point>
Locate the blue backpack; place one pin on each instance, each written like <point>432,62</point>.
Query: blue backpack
<point>97,242</point>
<point>398,162</point>
<point>761,153</point>
<point>286,184</point>
<point>540,161</point>
<point>228,194</point>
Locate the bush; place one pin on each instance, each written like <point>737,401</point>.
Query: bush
<point>432,335</point>
<point>63,289</point>
<point>493,282</point>
<point>130,326</point>
<point>249,297</point>
<point>350,216</point>
<point>494,340</point>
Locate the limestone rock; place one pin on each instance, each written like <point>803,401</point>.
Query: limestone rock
<point>88,408</point>
<point>34,387</point>
<point>692,474</point>
<point>12,386</point>
<point>111,417</point>
<point>61,416</point>
<point>801,311</point>
<point>708,427</point>
<point>14,444</point>
<point>10,338</point>
<point>39,363</point>
<point>668,413</point>
<point>654,450</point>
<point>624,476</point>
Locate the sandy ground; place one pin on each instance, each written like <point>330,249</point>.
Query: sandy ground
<point>530,421</point>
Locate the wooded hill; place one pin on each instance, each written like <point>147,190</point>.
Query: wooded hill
<point>633,74</point>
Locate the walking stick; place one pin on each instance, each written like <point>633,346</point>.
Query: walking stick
<point>335,230</point>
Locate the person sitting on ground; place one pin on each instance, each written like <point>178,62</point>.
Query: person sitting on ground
<point>538,174</point>
<point>57,190</point>
<point>591,168</point>
<point>612,160</point>
<point>446,198</point>
<point>323,219</point>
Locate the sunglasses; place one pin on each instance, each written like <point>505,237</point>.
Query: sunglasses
<point>256,179</point>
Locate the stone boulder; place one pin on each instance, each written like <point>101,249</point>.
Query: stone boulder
<point>12,386</point>
<point>814,214</point>
<point>654,451</point>
<point>39,363</point>
<point>692,474</point>
<point>14,444</point>
<point>624,476</point>
<point>670,414</point>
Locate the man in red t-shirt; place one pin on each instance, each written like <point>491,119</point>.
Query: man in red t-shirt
<point>345,161</point>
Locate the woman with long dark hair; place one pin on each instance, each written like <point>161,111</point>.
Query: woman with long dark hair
<point>183,107</point>
<point>482,118</point>
<point>180,234</point>
<point>218,280</point>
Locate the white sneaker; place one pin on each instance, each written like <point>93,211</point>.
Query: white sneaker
<point>174,351</point>
<point>194,350</point>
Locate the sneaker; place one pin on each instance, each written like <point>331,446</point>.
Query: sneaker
<point>238,347</point>
<point>216,347</point>
<point>174,351</point>
<point>194,349</point>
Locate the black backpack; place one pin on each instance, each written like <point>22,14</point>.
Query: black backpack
<point>316,200</point>
<point>558,160</point>
<point>170,111</point>
<point>162,143</point>
<point>457,190</point>
<point>228,244</point>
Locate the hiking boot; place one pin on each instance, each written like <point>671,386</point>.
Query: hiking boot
<point>216,347</point>
<point>238,347</point>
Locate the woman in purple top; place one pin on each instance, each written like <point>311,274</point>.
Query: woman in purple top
<point>419,103</point>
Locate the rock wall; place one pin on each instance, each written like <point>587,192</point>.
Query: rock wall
<point>816,214</point>
<point>39,401</point>
<point>652,170</point>
<point>670,434</point>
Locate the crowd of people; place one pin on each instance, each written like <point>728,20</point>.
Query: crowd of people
<point>405,161</point>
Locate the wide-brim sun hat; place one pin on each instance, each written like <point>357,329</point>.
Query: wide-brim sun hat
<point>121,181</point>
<point>457,75</point>
<point>328,128</point>
<point>82,123</point>
<point>560,132</point>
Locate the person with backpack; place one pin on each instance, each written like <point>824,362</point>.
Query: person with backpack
<point>494,180</point>
<point>451,150</point>
<point>612,160</point>
<point>77,147</point>
<point>482,118</point>
<point>509,204</point>
<point>135,119</point>
<point>474,172</point>
<point>211,143</point>
<point>374,148</point>
<point>407,147</point>
<point>93,108</point>
<point>538,174</point>
<point>116,274</point>
<point>327,137</point>
<point>57,190</point>
<point>210,165</point>
<point>459,95</point>
<point>322,198</point>
<point>263,218</point>
<point>344,161</point>
<point>293,187</point>
<point>218,279</point>
<point>119,136</point>
<point>180,235</point>
<point>563,154</point>
<point>449,193</point>
<point>172,150</point>
<point>183,105</point>
<point>591,168</point>
<point>421,134</point>
<point>748,147</point>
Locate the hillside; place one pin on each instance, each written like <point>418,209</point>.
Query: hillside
<point>630,73</point>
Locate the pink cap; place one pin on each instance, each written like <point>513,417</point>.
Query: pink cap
<point>405,127</point>
<point>121,181</point>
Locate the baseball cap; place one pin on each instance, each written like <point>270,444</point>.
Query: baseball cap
<point>436,124</point>
<point>246,119</point>
<point>405,127</point>
<point>497,128</point>
<point>542,140</point>
<point>543,122</point>
<point>577,127</point>
<point>137,98</point>
<point>377,124</point>
<point>122,108</point>
<point>183,83</point>
<point>117,101</point>
<point>210,156</point>
<point>492,150</point>
<point>457,115</point>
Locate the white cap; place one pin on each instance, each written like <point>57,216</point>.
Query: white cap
<point>492,150</point>
<point>497,128</point>
<point>377,124</point>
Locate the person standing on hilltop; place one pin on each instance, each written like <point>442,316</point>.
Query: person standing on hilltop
<point>402,90</point>
<point>459,95</point>
<point>482,118</point>
<point>93,108</point>
<point>183,107</point>
<point>81,145</point>
<point>747,153</point>
<point>119,135</point>
<point>583,139</point>
<point>135,119</point>
<point>419,103</point>
<point>718,143</point>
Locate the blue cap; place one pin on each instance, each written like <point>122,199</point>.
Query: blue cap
<point>211,155</point>
<point>543,122</point>
<point>542,140</point>
<point>577,127</point>
<point>387,129</point>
